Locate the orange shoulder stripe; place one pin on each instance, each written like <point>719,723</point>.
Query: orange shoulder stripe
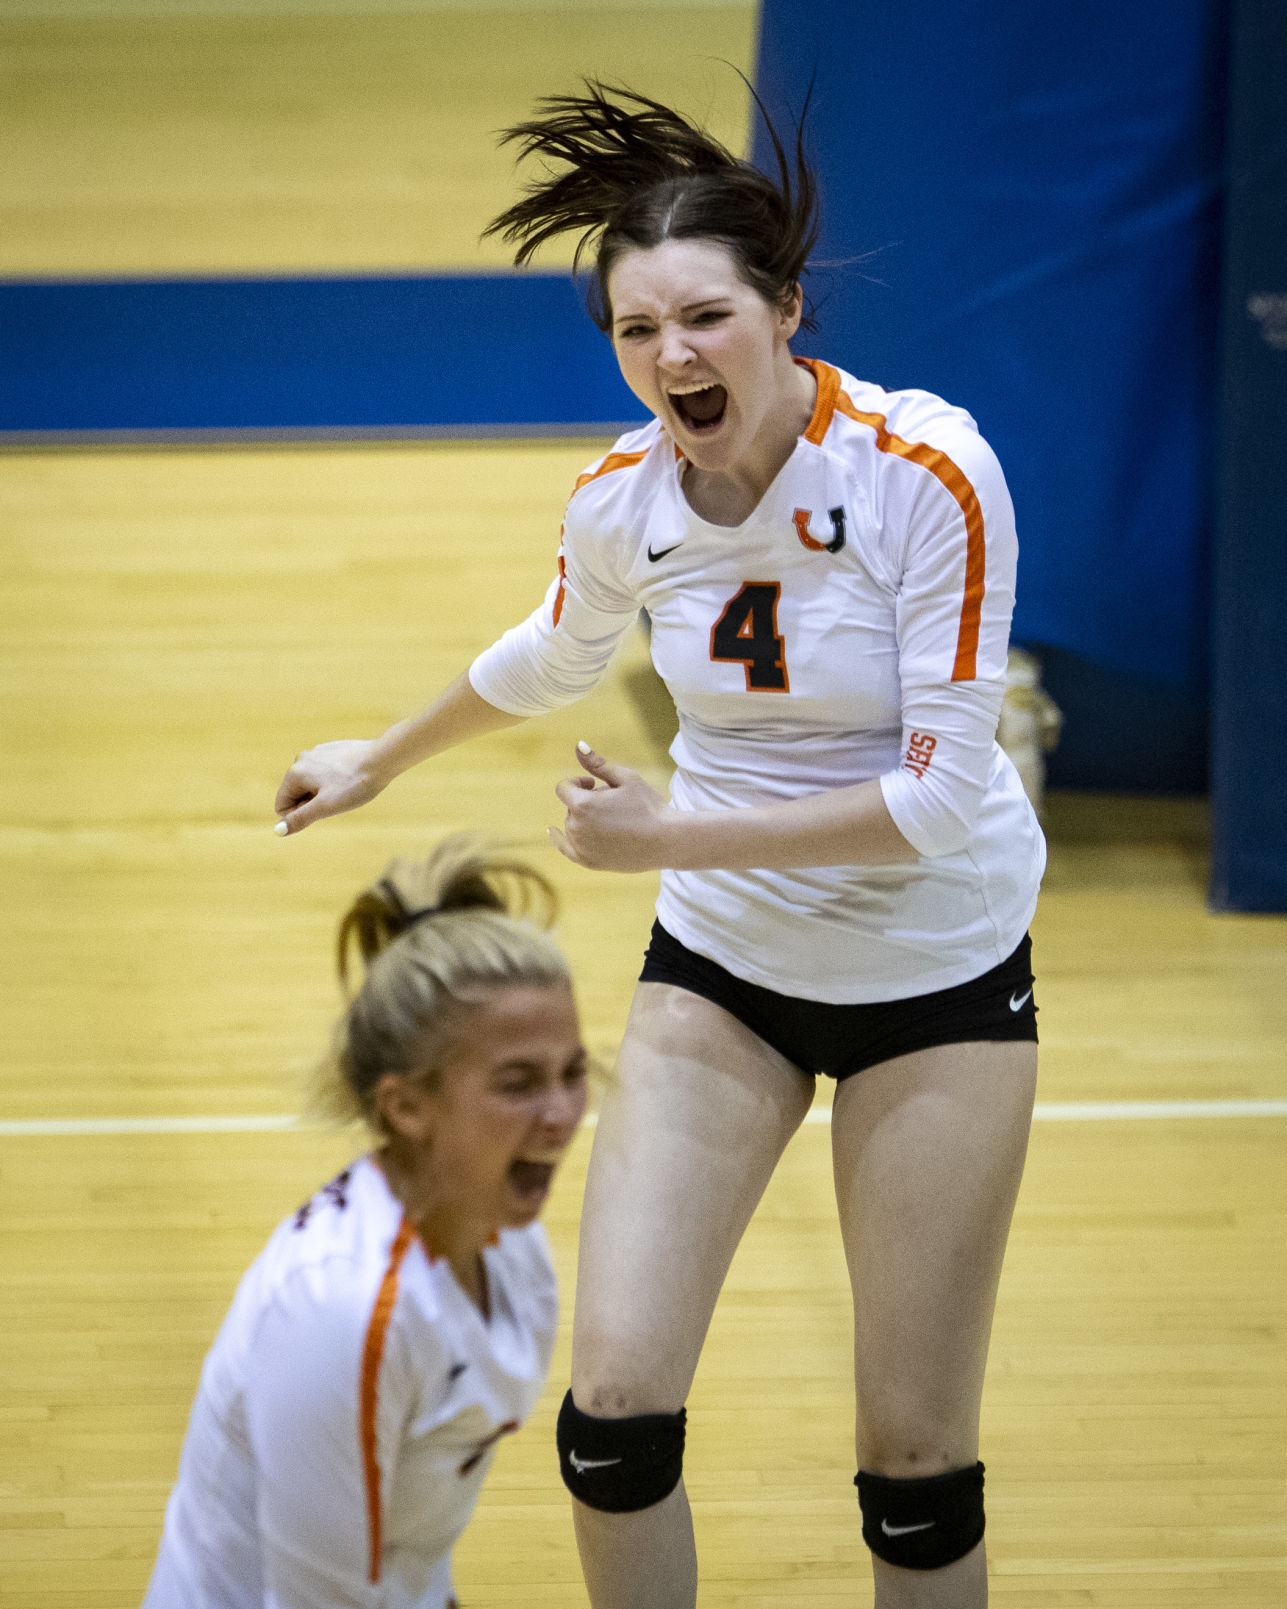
<point>831,399</point>
<point>828,380</point>
<point>611,462</point>
<point>372,1354</point>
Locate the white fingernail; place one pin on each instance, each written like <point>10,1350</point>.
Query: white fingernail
<point>584,747</point>
<point>281,829</point>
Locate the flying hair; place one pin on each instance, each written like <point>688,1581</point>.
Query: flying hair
<point>624,171</point>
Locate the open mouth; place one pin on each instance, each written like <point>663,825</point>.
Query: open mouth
<point>700,407</point>
<point>531,1180</point>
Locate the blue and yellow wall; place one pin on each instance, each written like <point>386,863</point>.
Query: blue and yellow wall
<point>262,221</point>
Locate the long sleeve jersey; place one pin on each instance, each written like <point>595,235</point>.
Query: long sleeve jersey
<point>348,1412</point>
<point>855,626</point>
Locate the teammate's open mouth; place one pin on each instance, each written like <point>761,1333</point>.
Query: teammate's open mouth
<point>701,409</point>
<point>531,1180</point>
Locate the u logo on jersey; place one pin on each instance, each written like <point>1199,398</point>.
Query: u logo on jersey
<point>802,516</point>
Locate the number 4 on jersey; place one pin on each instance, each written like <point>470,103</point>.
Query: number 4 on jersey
<point>747,634</point>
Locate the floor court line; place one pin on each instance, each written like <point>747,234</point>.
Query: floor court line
<point>1046,1111</point>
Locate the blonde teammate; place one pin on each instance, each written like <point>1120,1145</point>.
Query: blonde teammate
<point>400,1323</point>
<point>848,861</point>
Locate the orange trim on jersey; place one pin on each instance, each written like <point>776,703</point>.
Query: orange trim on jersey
<point>611,462</point>
<point>832,399</point>
<point>372,1354</point>
<point>563,581</point>
<point>828,380</point>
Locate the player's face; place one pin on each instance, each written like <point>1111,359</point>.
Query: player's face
<point>704,351</point>
<point>511,1094</point>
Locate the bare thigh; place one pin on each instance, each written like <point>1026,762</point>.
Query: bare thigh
<point>690,1130</point>
<point>928,1151</point>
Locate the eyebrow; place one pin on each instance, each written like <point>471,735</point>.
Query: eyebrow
<point>520,1065</point>
<point>688,307</point>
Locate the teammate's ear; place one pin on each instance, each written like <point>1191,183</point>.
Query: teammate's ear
<point>405,1111</point>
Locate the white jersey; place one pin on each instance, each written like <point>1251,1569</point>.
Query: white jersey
<point>855,626</point>
<point>348,1412</point>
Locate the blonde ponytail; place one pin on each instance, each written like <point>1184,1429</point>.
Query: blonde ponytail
<point>433,936</point>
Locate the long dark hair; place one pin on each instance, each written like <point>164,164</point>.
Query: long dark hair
<point>638,173</point>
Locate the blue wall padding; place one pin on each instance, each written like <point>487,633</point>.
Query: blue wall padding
<point>1249,773</point>
<point>1030,198</point>
<point>1123,734</point>
<point>491,351</point>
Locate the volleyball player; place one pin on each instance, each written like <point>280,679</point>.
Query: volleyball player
<point>400,1323</point>
<point>848,861</point>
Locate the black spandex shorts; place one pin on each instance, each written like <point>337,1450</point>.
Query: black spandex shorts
<point>841,1040</point>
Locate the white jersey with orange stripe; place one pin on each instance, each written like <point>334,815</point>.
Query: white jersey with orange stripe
<point>348,1412</point>
<point>855,626</point>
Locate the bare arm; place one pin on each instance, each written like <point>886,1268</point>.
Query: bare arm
<point>334,777</point>
<point>616,822</point>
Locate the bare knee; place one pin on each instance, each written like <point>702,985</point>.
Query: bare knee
<point>913,1460</point>
<point>611,1394</point>
<point>613,1377</point>
<point>611,1399</point>
<point>910,1445</point>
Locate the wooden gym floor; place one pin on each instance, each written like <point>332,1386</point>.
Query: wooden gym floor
<point>179,624</point>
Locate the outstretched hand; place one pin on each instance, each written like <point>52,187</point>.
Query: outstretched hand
<point>615,820</point>
<point>325,781</point>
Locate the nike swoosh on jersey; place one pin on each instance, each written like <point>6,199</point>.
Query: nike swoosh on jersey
<point>1018,1005</point>
<point>653,557</point>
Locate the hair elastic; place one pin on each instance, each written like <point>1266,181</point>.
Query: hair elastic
<point>405,918</point>
<point>412,917</point>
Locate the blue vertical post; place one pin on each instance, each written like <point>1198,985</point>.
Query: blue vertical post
<point>1249,740</point>
<point>1022,212</point>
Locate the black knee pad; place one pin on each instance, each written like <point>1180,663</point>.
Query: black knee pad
<point>620,1465</point>
<point>922,1524</point>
